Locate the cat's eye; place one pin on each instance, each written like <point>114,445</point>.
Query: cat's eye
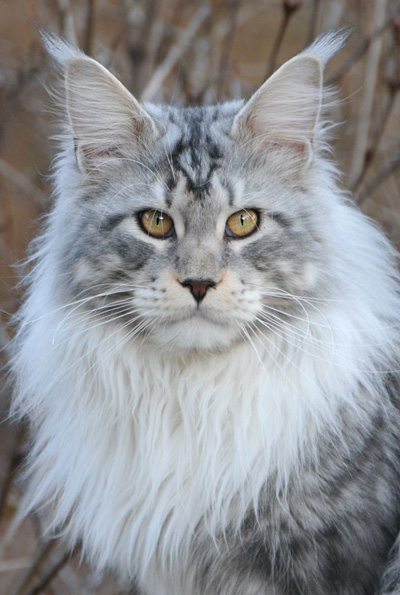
<point>242,223</point>
<point>156,223</point>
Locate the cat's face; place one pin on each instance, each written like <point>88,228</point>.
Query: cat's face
<point>193,236</point>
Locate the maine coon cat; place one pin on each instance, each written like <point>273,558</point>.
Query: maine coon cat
<point>209,350</point>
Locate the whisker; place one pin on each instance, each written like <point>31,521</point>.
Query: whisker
<point>130,335</point>
<point>123,289</point>
<point>323,359</point>
<point>106,319</point>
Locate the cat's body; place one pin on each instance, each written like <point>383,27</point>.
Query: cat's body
<point>213,414</point>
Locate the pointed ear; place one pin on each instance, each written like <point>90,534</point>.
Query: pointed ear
<point>284,112</point>
<point>106,120</point>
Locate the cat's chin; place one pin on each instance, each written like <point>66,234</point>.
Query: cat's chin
<point>197,332</point>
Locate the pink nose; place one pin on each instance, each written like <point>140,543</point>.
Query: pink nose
<point>198,288</point>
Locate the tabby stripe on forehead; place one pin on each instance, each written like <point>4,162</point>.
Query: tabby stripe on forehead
<point>197,187</point>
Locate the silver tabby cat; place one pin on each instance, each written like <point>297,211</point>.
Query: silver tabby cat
<point>209,349</point>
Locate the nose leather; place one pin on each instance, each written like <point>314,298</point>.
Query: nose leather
<point>198,287</point>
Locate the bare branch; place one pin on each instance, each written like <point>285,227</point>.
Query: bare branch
<point>289,7</point>
<point>66,20</point>
<point>89,27</point>
<point>228,45</point>
<point>13,464</point>
<point>14,524</point>
<point>359,51</point>
<point>371,75</point>
<point>380,177</point>
<point>4,342</point>
<point>375,144</point>
<point>138,37</point>
<point>14,564</point>
<point>315,7</point>
<point>51,574</point>
<point>174,54</point>
<point>24,183</point>
<point>35,566</point>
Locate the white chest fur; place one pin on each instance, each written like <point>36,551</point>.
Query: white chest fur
<point>143,447</point>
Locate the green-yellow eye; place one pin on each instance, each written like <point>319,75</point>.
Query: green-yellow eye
<point>156,223</point>
<point>242,223</point>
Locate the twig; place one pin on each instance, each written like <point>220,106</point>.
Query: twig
<point>138,40</point>
<point>358,52</point>
<point>169,29</point>
<point>380,177</point>
<point>89,28</point>
<point>364,119</point>
<point>11,90</point>
<point>174,54</point>
<point>23,182</point>
<point>4,342</point>
<point>15,523</point>
<point>12,467</point>
<point>228,45</point>
<point>245,13</point>
<point>66,20</point>
<point>375,144</point>
<point>217,34</point>
<point>48,578</point>
<point>14,564</point>
<point>313,21</point>
<point>289,7</point>
<point>35,566</point>
<point>333,14</point>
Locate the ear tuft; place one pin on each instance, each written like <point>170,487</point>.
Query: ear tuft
<point>327,45</point>
<point>59,49</point>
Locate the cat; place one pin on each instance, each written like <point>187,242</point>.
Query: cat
<point>209,348</point>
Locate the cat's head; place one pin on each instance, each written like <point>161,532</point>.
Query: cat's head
<point>187,223</point>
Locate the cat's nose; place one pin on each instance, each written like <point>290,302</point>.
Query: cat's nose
<point>198,287</point>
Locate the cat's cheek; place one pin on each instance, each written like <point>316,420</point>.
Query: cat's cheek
<point>300,277</point>
<point>83,271</point>
<point>88,272</point>
<point>307,279</point>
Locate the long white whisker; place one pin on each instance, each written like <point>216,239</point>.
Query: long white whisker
<point>106,319</point>
<point>123,289</point>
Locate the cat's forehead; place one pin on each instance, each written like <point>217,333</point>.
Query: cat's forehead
<point>197,147</point>
<point>195,121</point>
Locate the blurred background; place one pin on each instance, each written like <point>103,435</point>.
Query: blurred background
<point>185,52</point>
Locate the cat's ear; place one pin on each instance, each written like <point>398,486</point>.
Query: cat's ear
<point>106,121</point>
<point>105,118</point>
<point>285,110</point>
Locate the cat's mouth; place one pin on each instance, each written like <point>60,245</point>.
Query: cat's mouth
<point>197,329</point>
<point>198,316</point>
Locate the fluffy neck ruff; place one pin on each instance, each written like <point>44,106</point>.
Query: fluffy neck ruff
<point>140,449</point>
